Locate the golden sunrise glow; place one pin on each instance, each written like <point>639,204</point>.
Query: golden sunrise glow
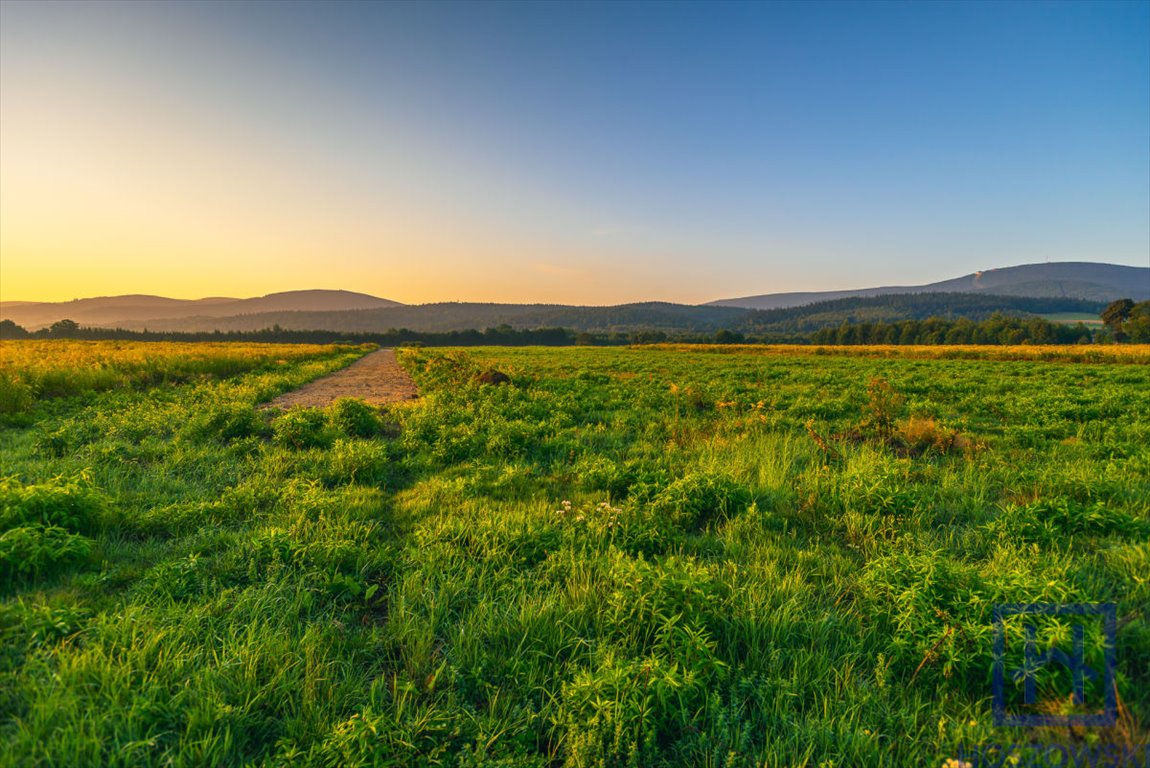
<point>207,149</point>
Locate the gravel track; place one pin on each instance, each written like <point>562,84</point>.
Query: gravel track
<point>376,378</point>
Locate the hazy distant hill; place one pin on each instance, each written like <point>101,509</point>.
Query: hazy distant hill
<point>1067,279</point>
<point>137,311</point>
<point>1025,290</point>
<point>461,316</point>
<point>628,318</point>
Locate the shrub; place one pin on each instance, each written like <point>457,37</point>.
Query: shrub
<point>38,550</point>
<point>599,473</point>
<point>494,377</point>
<point>302,428</point>
<point>229,423</point>
<point>72,504</point>
<point>695,501</point>
<point>356,461</point>
<point>355,418</point>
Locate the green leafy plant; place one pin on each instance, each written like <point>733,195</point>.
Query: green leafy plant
<point>355,418</point>
<point>39,550</point>
<point>70,503</point>
<point>697,500</point>
<point>301,428</point>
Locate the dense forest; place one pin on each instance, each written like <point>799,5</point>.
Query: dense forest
<point>997,329</point>
<point>905,306</point>
<point>503,335</point>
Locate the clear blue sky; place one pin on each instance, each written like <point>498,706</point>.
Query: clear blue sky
<point>582,153</point>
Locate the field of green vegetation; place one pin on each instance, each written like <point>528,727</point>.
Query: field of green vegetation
<point>720,556</point>
<point>1087,318</point>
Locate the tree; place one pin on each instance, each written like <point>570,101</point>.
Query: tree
<point>64,329</point>
<point>1115,315</point>
<point>726,336</point>
<point>1137,326</point>
<point>9,330</point>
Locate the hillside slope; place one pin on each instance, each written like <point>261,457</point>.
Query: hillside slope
<point>453,316</point>
<point>1070,279</point>
<point>139,310</point>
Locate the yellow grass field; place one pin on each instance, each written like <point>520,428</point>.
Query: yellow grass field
<point>35,369</point>
<point>1102,353</point>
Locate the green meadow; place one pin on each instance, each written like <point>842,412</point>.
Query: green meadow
<point>645,556</point>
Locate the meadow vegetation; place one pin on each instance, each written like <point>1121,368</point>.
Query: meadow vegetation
<point>38,370</point>
<point>727,556</point>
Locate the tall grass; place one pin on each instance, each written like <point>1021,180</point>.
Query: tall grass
<point>621,557</point>
<point>38,370</point>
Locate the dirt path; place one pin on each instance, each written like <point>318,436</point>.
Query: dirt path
<point>375,378</point>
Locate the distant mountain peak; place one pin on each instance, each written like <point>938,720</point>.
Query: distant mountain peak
<point>1066,279</point>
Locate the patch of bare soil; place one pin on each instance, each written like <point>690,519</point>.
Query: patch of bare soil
<point>376,378</point>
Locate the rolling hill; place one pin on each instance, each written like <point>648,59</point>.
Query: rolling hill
<point>894,307</point>
<point>1035,289</point>
<point>138,310</point>
<point>453,316</point>
<point>1068,279</point>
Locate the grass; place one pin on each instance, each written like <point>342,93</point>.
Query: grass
<point>32,371</point>
<point>648,556</point>
<point>1074,317</point>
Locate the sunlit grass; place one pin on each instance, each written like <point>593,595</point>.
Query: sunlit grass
<point>32,370</point>
<point>622,557</point>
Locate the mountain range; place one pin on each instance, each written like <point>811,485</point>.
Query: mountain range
<point>1050,288</point>
<point>1064,279</point>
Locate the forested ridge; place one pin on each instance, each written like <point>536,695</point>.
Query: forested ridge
<point>939,318</point>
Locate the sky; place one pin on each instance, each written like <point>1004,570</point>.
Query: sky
<point>581,153</point>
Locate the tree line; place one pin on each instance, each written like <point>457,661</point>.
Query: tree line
<point>503,335</point>
<point>894,307</point>
<point>997,329</point>
<point>1122,321</point>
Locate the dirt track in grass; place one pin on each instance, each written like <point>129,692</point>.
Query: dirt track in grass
<point>376,378</point>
